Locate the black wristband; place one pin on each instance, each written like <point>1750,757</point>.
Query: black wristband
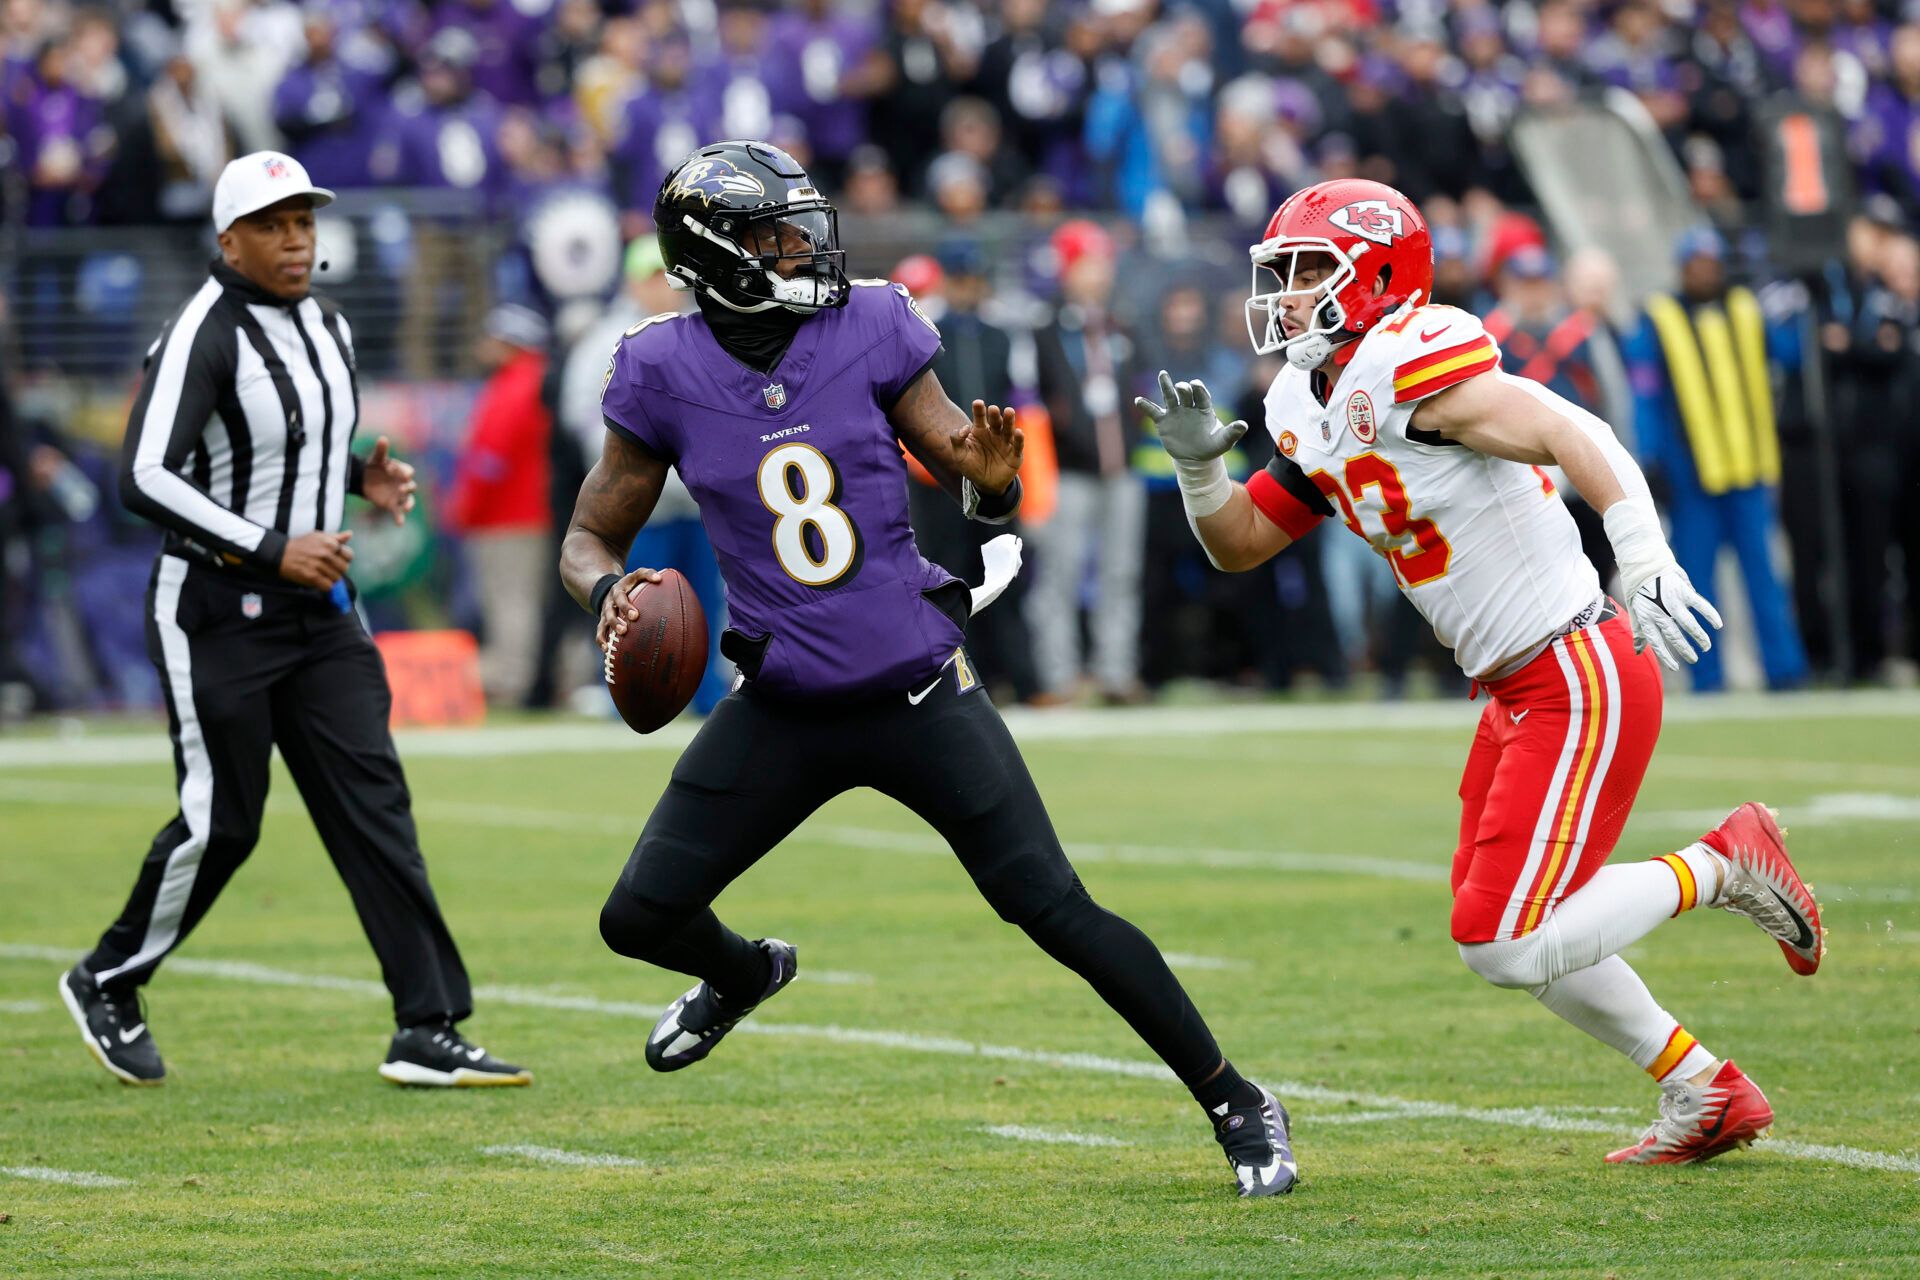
<point>597,598</point>
<point>997,508</point>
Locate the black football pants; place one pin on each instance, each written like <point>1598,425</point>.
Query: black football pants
<point>246,668</point>
<point>760,766</point>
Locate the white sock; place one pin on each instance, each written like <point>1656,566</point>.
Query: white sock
<point>1701,875</point>
<point>1609,1002</point>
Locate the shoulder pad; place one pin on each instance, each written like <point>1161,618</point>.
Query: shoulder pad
<point>1429,349</point>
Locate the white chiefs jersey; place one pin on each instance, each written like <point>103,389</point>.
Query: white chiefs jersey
<point>1482,546</point>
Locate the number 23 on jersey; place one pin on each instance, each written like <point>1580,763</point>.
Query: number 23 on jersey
<point>815,542</point>
<point>1430,555</point>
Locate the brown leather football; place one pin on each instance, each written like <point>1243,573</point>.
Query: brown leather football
<point>655,667</point>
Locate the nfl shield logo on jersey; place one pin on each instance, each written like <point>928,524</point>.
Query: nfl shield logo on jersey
<point>250,605</point>
<point>775,395</point>
<point>1360,417</point>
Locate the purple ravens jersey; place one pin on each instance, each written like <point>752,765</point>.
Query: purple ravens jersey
<point>801,488</point>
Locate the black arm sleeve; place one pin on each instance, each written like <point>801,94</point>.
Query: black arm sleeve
<point>1295,482</point>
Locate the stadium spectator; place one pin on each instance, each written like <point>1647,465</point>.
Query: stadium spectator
<point>171,142</point>
<point>664,122</point>
<point>442,136</point>
<point>1701,366</point>
<point>1086,364</point>
<point>975,362</point>
<point>241,49</point>
<point>1868,358</point>
<point>825,64</point>
<point>500,500</point>
<point>929,50</point>
<point>330,106</point>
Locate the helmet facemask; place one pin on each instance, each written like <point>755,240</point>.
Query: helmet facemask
<point>1282,262</point>
<point>805,237</point>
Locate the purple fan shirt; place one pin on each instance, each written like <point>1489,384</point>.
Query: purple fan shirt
<point>801,487</point>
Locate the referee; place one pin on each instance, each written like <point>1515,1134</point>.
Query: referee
<point>238,447</point>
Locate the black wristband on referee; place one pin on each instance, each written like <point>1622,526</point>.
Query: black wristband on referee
<point>597,598</point>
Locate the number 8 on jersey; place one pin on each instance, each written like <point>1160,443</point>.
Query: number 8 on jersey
<point>798,484</point>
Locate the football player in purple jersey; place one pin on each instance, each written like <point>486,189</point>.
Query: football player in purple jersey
<point>782,403</point>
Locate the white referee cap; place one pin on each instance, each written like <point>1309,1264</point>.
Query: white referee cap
<point>253,182</point>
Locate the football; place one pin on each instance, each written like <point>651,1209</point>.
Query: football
<point>653,670</point>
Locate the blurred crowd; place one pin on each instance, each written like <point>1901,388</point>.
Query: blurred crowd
<point>1069,189</point>
<point>123,112</point>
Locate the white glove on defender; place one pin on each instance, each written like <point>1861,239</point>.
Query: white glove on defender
<point>1661,600</point>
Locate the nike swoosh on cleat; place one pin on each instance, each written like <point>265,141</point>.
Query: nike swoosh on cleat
<point>1804,939</point>
<point>475,1054</point>
<point>129,1036</point>
<point>1719,1123</point>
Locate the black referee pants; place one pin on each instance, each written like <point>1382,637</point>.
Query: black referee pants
<point>245,668</point>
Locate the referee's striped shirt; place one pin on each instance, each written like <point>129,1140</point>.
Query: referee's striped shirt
<point>239,437</point>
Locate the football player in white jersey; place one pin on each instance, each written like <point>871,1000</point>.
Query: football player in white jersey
<point>1394,415</point>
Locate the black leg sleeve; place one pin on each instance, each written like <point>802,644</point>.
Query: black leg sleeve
<point>957,767</point>
<point>1128,971</point>
<point>749,777</point>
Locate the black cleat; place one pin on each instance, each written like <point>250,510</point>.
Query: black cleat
<point>698,1020</point>
<point>1258,1141</point>
<point>437,1056</point>
<point>114,1027</point>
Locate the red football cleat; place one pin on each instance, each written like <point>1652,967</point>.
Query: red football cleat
<point>1699,1122</point>
<point>1765,888</point>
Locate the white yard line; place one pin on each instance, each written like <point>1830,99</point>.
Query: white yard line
<point>1839,806</point>
<point>556,1155</point>
<point>1025,1133</point>
<point>66,1177</point>
<point>923,842</point>
<point>1535,1118</point>
<point>1185,960</point>
<point>82,749</point>
<point>22,1006</point>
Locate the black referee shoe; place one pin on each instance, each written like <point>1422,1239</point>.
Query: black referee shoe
<point>695,1023</point>
<point>437,1056</point>
<point>115,1029</point>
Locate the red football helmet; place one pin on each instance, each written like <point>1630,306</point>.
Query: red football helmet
<point>1372,233</point>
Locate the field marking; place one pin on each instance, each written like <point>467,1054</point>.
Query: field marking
<point>1061,1137</point>
<point>924,842</point>
<point>1837,806</point>
<point>1186,960</point>
<point>22,1006</point>
<point>66,1177</point>
<point>1543,1119</point>
<point>82,749</point>
<point>557,1155</point>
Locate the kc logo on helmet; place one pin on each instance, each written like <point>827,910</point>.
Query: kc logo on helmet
<point>1375,220</point>
<point>1360,417</point>
<point>775,394</point>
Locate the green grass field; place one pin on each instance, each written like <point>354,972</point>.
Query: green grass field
<point>886,1116</point>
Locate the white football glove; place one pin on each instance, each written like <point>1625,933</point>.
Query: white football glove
<point>1189,429</point>
<point>1661,599</point>
<point>1662,609</point>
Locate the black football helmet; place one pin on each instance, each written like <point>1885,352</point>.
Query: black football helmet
<point>730,213</point>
